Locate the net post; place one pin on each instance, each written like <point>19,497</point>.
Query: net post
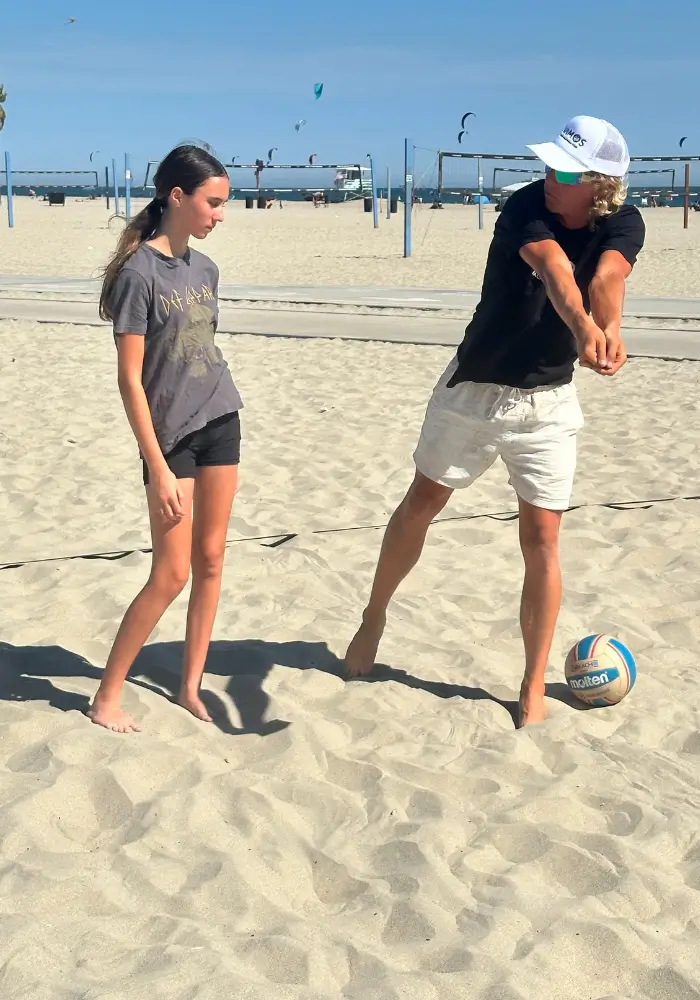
<point>481,193</point>
<point>115,179</point>
<point>107,186</point>
<point>686,197</point>
<point>408,197</point>
<point>8,179</point>
<point>388,192</point>
<point>375,202</point>
<point>127,184</point>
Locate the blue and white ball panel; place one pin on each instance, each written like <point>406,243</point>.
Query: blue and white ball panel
<point>583,648</point>
<point>600,670</point>
<point>627,659</point>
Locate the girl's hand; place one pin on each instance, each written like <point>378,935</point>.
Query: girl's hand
<point>171,499</point>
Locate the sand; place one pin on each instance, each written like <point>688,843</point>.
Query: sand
<point>387,840</point>
<point>331,246</point>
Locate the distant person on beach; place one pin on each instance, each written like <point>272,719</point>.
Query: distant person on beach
<point>553,292</point>
<point>182,404</point>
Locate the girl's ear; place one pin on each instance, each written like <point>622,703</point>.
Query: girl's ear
<point>175,197</point>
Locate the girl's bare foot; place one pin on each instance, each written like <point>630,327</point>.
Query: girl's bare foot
<point>194,705</point>
<point>362,651</point>
<point>109,715</point>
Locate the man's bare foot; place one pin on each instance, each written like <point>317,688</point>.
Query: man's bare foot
<point>362,651</point>
<point>110,716</point>
<point>532,705</point>
<point>194,705</point>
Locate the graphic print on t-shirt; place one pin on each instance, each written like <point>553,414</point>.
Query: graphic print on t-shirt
<point>193,344</point>
<point>176,301</point>
<point>192,340</point>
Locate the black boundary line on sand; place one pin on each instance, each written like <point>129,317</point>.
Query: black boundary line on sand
<point>276,540</point>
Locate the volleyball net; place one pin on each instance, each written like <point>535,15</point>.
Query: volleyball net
<point>80,182</point>
<point>461,175</point>
<point>351,180</point>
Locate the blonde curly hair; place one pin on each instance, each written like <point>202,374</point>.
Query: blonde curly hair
<point>609,194</point>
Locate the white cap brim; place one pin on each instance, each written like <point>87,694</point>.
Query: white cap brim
<point>557,158</point>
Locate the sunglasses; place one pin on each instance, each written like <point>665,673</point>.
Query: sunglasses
<point>562,177</point>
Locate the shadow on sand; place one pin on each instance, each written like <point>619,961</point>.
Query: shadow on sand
<point>27,673</point>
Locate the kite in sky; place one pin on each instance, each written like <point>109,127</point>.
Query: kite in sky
<point>469,114</point>
<point>680,144</point>
<point>270,152</point>
<point>318,90</point>
<point>300,124</point>
<point>312,158</point>
<point>71,20</point>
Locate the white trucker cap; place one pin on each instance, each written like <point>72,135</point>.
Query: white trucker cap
<point>586,144</point>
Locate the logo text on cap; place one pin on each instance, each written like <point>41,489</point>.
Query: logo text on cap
<point>573,138</point>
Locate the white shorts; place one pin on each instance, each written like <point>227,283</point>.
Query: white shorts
<point>534,431</point>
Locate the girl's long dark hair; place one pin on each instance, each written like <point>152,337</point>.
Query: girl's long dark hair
<point>186,167</point>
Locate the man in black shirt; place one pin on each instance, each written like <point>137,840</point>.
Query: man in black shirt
<point>553,293</point>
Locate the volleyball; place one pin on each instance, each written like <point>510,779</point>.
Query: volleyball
<point>600,670</point>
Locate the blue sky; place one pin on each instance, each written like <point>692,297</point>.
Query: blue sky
<point>140,77</point>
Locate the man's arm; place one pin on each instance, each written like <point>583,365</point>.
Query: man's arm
<point>607,290</point>
<point>607,295</point>
<point>550,262</point>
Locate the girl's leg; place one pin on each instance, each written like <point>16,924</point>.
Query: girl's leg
<point>213,496</point>
<point>170,569</point>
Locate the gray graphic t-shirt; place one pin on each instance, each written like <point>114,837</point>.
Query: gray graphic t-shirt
<point>172,302</point>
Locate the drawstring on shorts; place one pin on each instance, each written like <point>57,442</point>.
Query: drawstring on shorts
<point>502,398</point>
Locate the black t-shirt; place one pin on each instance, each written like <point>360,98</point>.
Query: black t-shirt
<point>516,337</point>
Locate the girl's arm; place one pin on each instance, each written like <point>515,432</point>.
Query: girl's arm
<point>130,351</point>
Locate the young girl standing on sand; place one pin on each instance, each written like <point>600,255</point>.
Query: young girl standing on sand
<point>182,404</point>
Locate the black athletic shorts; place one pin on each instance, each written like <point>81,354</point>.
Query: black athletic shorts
<point>217,443</point>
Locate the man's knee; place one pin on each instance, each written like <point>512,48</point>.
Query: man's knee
<point>425,499</point>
